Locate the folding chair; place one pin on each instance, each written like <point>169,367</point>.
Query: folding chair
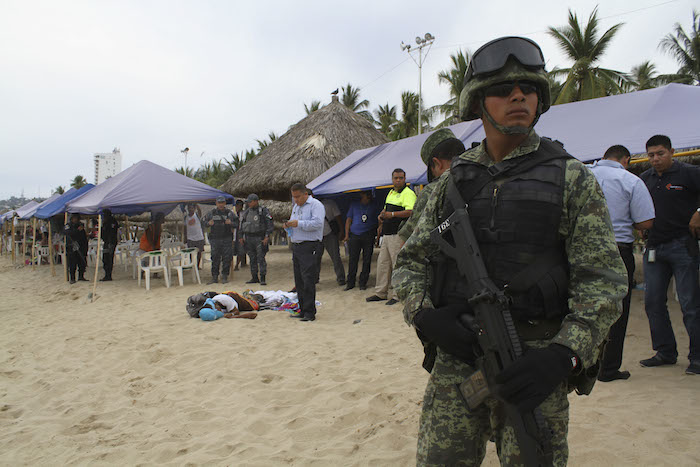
<point>187,260</point>
<point>157,262</point>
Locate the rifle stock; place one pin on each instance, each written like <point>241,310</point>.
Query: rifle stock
<point>497,336</point>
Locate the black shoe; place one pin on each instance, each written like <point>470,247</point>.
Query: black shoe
<point>253,280</point>
<point>392,302</point>
<point>341,282</point>
<point>72,281</point>
<point>375,298</point>
<point>308,318</point>
<point>614,376</point>
<point>213,280</point>
<point>82,278</point>
<point>224,279</point>
<point>656,360</point>
<point>349,287</point>
<point>262,279</point>
<point>693,368</point>
<point>105,279</point>
<point>363,287</point>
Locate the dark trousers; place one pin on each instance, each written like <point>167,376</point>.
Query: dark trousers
<point>76,260</point>
<point>108,259</point>
<point>257,251</point>
<point>305,261</point>
<point>365,244</point>
<point>221,254</point>
<point>672,259</point>
<point>332,246</point>
<point>612,359</point>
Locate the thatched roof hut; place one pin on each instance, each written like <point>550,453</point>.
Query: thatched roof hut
<point>308,149</point>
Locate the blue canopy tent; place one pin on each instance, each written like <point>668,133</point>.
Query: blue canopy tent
<point>58,206</point>
<point>143,187</point>
<point>587,129</point>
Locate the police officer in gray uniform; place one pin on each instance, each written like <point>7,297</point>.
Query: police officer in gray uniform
<point>221,221</point>
<point>256,227</point>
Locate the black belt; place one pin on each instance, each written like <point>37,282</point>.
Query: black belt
<point>306,241</point>
<point>625,245</point>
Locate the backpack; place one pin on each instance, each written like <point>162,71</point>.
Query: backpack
<point>196,302</point>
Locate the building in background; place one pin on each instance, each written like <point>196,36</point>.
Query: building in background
<point>107,165</point>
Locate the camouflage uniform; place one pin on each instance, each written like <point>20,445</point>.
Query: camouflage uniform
<point>449,433</point>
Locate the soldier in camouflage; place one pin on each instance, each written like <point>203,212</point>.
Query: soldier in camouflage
<point>437,153</point>
<point>545,236</point>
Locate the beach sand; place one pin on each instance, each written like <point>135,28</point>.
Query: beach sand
<point>132,379</point>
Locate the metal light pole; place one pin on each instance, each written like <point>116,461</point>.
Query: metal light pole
<point>425,41</point>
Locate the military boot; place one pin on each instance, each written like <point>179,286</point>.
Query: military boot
<point>253,280</point>
<point>262,279</point>
<point>213,280</point>
<point>224,279</point>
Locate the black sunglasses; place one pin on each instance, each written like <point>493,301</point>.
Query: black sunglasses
<point>505,89</point>
<point>492,56</point>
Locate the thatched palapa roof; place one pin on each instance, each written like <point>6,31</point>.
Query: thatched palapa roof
<point>308,149</point>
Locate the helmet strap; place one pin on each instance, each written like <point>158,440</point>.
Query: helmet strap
<point>510,130</point>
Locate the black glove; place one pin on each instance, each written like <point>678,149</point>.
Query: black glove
<point>534,376</point>
<point>444,327</point>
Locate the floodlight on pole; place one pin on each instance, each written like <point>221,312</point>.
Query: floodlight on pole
<point>425,41</point>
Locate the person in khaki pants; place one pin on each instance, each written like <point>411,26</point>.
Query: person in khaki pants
<point>398,207</point>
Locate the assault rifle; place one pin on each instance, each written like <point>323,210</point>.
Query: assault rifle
<point>497,335</point>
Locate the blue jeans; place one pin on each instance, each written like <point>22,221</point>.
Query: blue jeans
<point>672,259</point>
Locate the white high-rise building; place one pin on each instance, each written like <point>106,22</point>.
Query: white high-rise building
<point>107,164</point>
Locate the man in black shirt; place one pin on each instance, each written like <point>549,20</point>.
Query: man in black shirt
<point>672,250</point>
<point>76,247</point>
<point>110,237</point>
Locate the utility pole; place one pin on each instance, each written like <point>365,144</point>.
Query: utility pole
<point>422,42</point>
<point>184,153</point>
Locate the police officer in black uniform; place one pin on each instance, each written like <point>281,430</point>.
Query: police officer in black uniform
<point>110,237</point>
<point>256,228</point>
<point>76,247</point>
<point>221,221</point>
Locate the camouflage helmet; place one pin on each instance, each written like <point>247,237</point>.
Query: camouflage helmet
<point>503,59</point>
<point>426,151</point>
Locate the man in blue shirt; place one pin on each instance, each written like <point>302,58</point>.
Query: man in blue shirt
<point>306,224</point>
<point>672,250</point>
<point>630,207</point>
<point>360,230</point>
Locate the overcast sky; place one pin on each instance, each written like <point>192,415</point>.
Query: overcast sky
<point>152,77</point>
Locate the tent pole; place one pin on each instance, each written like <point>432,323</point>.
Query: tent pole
<point>65,247</point>
<point>51,250</point>
<point>14,244</point>
<point>128,230</point>
<point>97,259</point>
<point>33,242</point>
<point>24,243</point>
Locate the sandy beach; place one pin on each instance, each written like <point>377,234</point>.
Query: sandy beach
<point>132,379</point>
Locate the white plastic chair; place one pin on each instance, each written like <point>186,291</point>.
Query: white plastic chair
<point>41,252</point>
<point>187,259</point>
<point>157,262</point>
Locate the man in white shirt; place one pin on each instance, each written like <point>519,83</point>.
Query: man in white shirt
<point>193,233</point>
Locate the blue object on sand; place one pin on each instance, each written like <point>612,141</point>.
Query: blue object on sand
<point>208,314</point>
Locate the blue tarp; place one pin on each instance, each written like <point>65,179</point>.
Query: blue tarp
<point>58,206</point>
<point>143,187</point>
<point>586,128</point>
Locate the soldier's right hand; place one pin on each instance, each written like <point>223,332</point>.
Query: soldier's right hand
<point>444,327</point>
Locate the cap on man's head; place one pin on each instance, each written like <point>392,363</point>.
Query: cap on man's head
<point>239,201</point>
<point>439,136</point>
<point>221,199</point>
<point>252,197</point>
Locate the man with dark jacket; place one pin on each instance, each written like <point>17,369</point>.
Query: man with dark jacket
<point>76,247</point>
<point>256,228</point>
<point>110,237</point>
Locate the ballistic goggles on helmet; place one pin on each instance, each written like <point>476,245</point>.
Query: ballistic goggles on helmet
<point>492,56</point>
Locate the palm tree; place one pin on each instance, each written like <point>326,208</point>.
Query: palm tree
<point>78,182</point>
<point>315,105</point>
<point>59,189</point>
<point>187,173</point>
<point>643,77</point>
<point>454,78</point>
<point>386,119</point>
<point>686,50</point>
<point>351,100</point>
<point>408,124</point>
<point>584,80</point>
<point>555,86</point>
<point>264,143</point>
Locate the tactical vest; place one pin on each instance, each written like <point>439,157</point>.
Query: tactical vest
<point>220,230</point>
<point>515,216</point>
<point>254,221</point>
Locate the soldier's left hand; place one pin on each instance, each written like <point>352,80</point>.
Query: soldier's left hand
<point>227,222</point>
<point>694,225</point>
<point>265,241</point>
<point>528,381</point>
